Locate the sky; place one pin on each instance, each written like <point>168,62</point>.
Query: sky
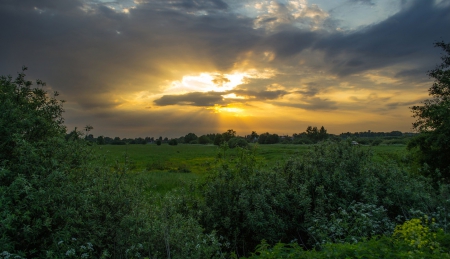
<point>169,67</point>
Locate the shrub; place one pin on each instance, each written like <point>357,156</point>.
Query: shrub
<point>237,142</point>
<point>334,193</point>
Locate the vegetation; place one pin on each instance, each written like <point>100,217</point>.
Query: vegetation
<point>433,121</point>
<point>67,195</point>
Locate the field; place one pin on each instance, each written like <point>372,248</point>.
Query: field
<point>163,168</point>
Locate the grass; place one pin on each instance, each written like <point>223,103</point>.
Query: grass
<point>163,168</point>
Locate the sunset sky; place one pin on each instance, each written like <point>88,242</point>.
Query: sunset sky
<point>166,68</point>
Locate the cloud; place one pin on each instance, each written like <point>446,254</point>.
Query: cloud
<point>364,2</point>
<point>392,41</point>
<point>311,104</point>
<point>204,99</point>
<point>97,56</point>
<point>194,99</point>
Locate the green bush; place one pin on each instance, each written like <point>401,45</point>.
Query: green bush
<point>237,142</point>
<point>415,238</point>
<point>334,193</point>
<point>54,203</point>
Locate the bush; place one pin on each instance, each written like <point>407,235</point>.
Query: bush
<point>415,238</point>
<point>237,142</point>
<point>173,142</point>
<point>52,199</point>
<point>335,193</point>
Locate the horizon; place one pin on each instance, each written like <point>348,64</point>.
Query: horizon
<point>139,68</point>
<point>243,136</point>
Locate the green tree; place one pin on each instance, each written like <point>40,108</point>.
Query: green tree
<point>228,135</point>
<point>51,196</point>
<point>100,140</point>
<point>218,140</point>
<point>203,140</point>
<point>254,136</point>
<point>433,120</point>
<point>190,137</point>
<point>322,133</point>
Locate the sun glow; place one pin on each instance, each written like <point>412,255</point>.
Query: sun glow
<point>206,82</point>
<point>227,109</point>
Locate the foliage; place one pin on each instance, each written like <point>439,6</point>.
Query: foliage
<point>173,142</point>
<point>56,203</point>
<point>51,198</point>
<point>218,140</point>
<point>334,193</point>
<point>229,134</point>
<point>237,142</point>
<point>267,138</point>
<point>190,137</point>
<point>433,120</point>
<point>203,139</point>
<point>413,239</point>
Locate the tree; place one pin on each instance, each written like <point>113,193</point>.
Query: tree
<point>203,139</point>
<point>228,135</point>
<point>100,140</point>
<point>254,136</point>
<point>218,140</point>
<point>433,120</point>
<point>190,137</point>
<point>323,133</point>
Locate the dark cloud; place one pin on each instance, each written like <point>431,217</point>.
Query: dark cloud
<point>395,105</point>
<point>290,41</point>
<point>95,55</point>
<point>260,95</point>
<point>392,41</point>
<point>312,104</point>
<point>204,99</point>
<point>311,89</point>
<point>194,99</point>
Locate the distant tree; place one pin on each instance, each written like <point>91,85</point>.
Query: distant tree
<point>254,136</point>
<point>268,138</point>
<point>158,142</point>
<point>433,120</point>
<point>228,135</point>
<point>237,142</point>
<point>173,142</point>
<point>312,133</point>
<point>88,128</point>
<point>100,140</point>
<point>190,137</point>
<point>108,140</point>
<point>203,140</point>
<point>218,140</point>
<point>73,135</point>
<point>322,134</point>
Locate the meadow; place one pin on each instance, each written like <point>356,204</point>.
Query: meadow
<point>162,168</point>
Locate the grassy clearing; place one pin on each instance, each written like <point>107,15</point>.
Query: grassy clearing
<point>162,168</point>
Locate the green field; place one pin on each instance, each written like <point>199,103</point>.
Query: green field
<point>162,168</point>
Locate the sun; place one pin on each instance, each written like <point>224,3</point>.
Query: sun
<point>206,82</point>
<point>229,110</point>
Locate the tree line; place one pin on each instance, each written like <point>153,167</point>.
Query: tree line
<point>311,135</point>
